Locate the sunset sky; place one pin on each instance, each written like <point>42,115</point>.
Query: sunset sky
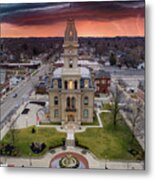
<point>96,19</point>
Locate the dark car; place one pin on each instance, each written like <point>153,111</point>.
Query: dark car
<point>14,95</point>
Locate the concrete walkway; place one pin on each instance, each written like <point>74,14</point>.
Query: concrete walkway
<point>93,162</point>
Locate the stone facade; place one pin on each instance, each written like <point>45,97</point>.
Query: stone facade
<point>71,93</point>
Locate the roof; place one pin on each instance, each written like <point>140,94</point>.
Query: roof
<point>101,74</point>
<point>57,73</point>
<point>85,73</point>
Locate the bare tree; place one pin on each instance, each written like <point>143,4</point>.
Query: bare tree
<point>133,116</point>
<point>116,94</point>
<point>12,131</point>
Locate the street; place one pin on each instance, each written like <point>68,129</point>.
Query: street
<point>23,90</point>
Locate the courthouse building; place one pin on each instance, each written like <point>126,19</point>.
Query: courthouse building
<point>71,92</point>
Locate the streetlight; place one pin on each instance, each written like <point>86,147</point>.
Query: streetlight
<point>26,121</point>
<point>105,162</point>
<point>30,160</point>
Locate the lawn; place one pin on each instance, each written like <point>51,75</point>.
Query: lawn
<point>24,138</point>
<point>109,142</point>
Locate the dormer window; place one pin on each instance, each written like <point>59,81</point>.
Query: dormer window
<point>55,84</point>
<point>86,84</point>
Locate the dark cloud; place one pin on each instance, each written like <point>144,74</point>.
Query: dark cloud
<point>50,13</point>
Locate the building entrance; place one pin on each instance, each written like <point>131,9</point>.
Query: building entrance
<point>71,118</point>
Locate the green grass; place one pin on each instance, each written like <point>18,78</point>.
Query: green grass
<point>109,142</point>
<point>24,138</point>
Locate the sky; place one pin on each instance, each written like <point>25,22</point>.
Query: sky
<point>93,19</point>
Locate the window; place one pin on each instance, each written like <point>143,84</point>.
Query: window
<point>85,100</point>
<point>75,85</point>
<point>66,85</point>
<point>56,100</point>
<point>70,85</point>
<point>103,81</point>
<point>70,33</point>
<point>85,113</point>
<point>68,102</point>
<point>56,113</point>
<point>73,102</point>
<point>86,84</point>
<point>55,83</point>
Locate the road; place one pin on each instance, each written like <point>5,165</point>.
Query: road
<point>23,90</point>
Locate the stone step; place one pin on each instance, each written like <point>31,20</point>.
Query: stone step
<point>70,143</point>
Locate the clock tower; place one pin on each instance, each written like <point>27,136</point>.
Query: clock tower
<point>70,46</point>
<point>71,93</point>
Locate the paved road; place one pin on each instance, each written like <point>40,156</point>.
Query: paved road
<point>23,90</point>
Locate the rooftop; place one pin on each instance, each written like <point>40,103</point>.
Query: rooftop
<point>101,73</point>
<point>85,73</point>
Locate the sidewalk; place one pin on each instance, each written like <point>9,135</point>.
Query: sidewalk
<point>94,163</point>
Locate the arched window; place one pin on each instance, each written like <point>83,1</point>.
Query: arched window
<point>75,84</point>
<point>56,100</point>
<point>66,85</point>
<point>86,83</point>
<point>73,102</point>
<point>85,113</point>
<point>68,102</point>
<point>70,85</point>
<point>86,100</point>
<point>70,63</point>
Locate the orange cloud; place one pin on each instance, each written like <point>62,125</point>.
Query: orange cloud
<point>132,26</point>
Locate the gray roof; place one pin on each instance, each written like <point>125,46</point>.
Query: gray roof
<point>102,73</point>
<point>85,73</point>
<point>57,73</point>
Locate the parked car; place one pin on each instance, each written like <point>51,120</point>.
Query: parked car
<point>14,95</point>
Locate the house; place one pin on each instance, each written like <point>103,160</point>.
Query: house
<point>102,82</point>
<point>14,81</point>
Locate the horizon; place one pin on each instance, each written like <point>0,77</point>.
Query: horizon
<point>104,37</point>
<point>99,19</point>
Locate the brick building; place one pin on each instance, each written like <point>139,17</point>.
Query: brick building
<point>102,82</point>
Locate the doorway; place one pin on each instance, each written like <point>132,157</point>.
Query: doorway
<point>71,118</point>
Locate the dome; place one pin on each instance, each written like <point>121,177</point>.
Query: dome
<point>57,73</point>
<point>85,73</point>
